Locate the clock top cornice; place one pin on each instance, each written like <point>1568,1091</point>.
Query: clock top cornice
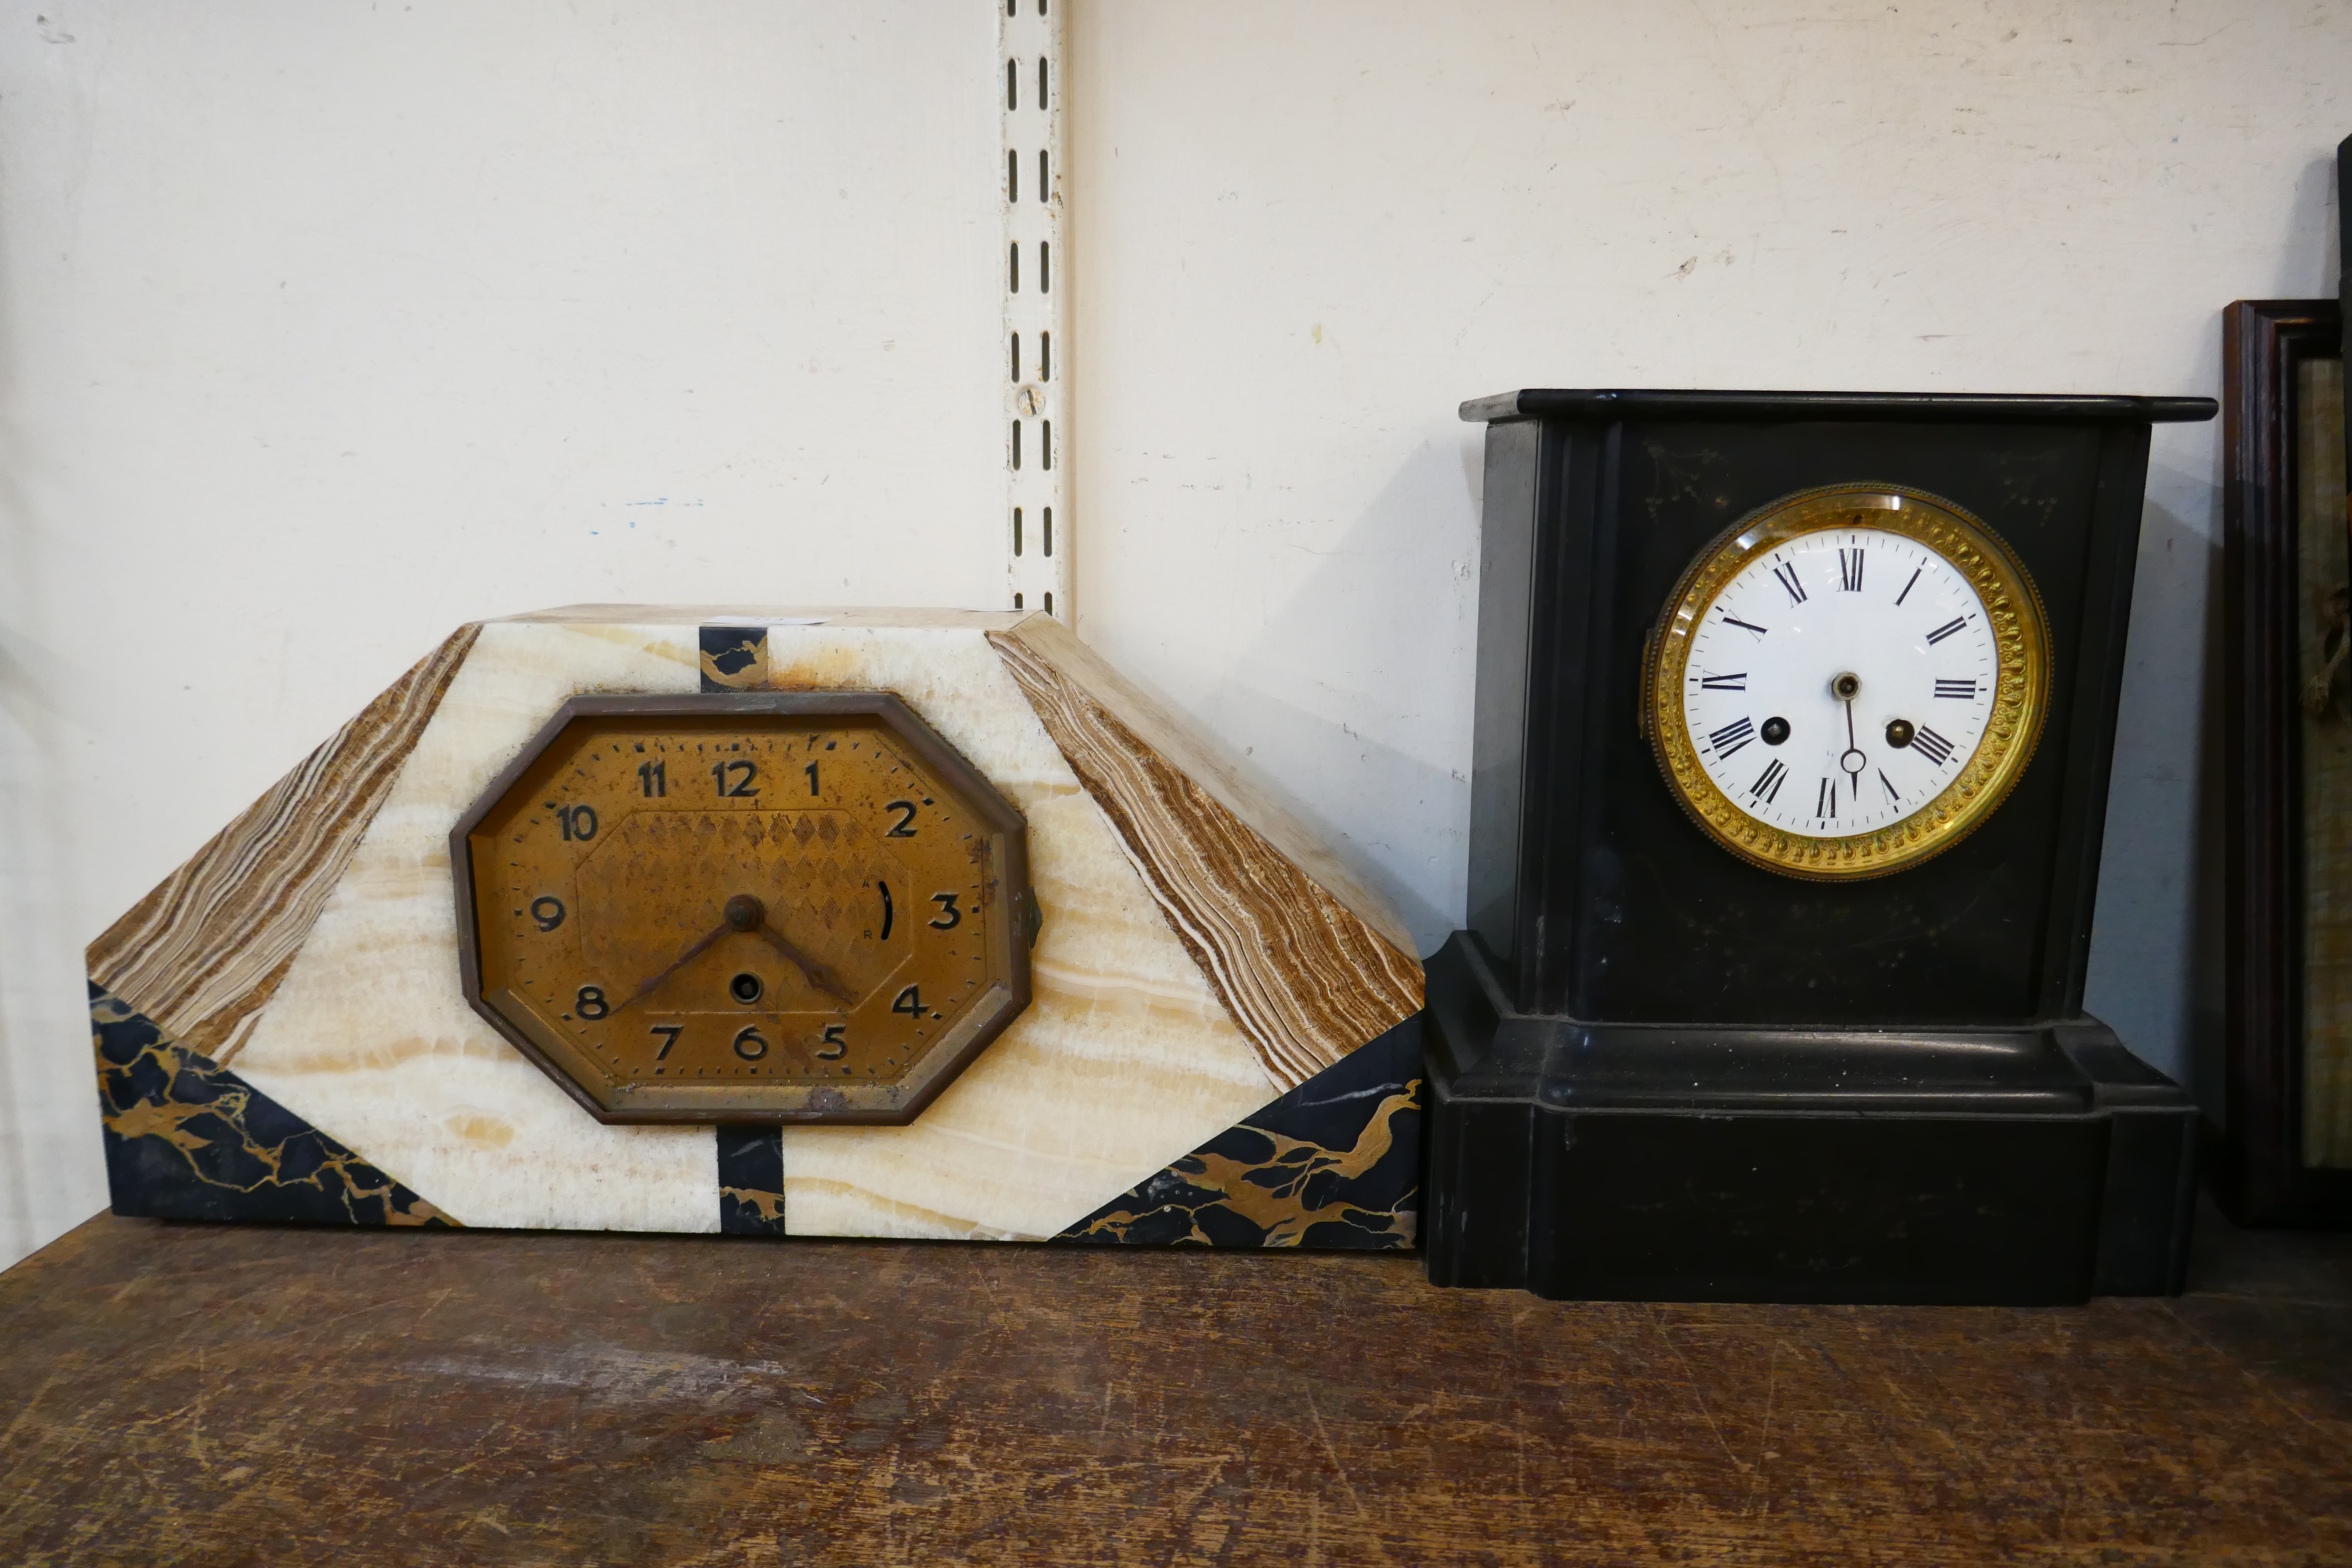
<point>1896,407</point>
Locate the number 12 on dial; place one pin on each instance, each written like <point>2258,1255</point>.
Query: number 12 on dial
<point>737,950</point>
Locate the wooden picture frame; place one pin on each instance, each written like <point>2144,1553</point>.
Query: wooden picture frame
<point>2273,355</point>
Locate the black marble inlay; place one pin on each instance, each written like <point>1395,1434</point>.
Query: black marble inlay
<point>187,1139</point>
<point>732,657</point>
<point>1335,1163</point>
<point>751,1181</point>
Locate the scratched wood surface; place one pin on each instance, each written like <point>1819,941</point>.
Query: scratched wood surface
<point>231,1396</point>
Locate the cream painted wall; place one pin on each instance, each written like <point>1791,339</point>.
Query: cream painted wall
<point>325,326</point>
<point>1306,231</point>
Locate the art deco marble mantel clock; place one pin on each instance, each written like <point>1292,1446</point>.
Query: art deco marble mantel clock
<point>1794,716</point>
<point>904,923</point>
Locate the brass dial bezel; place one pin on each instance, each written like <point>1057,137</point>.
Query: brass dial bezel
<point>1011,928</point>
<point>2020,698</point>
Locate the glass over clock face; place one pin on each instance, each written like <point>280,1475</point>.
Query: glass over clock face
<point>1847,682</point>
<point>786,907</point>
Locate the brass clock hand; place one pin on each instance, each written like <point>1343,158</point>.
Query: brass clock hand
<point>823,978</point>
<point>741,912</point>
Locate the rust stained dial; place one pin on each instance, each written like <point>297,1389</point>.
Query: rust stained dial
<point>789,907</point>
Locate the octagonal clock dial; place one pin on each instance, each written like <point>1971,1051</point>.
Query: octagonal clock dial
<point>1848,681</point>
<point>745,907</point>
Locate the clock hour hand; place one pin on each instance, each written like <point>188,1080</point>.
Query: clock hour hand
<point>823,978</point>
<point>1853,760</point>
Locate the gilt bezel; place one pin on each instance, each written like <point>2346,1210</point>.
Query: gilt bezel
<point>2021,699</point>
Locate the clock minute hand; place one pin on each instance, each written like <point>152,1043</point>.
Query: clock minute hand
<point>823,978</point>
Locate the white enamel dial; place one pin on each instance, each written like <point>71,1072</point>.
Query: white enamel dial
<point>1847,682</point>
<point>1840,682</point>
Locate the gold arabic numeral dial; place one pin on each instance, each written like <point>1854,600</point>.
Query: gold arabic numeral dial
<point>738,944</point>
<point>1858,634</point>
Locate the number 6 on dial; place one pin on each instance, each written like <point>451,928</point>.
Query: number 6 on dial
<point>607,922</point>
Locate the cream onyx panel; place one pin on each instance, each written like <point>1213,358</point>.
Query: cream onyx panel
<point>1125,1061</point>
<point>368,1036</point>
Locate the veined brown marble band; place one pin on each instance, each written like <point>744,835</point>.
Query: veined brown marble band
<point>1307,978</point>
<point>203,952</point>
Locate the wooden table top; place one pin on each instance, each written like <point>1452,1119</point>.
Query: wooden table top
<point>190,1393</point>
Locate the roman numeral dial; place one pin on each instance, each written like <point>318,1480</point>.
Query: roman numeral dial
<point>1879,647</point>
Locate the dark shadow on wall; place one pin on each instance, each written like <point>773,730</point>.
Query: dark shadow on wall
<point>2145,934</point>
<point>2206,1074</point>
<point>1386,625</point>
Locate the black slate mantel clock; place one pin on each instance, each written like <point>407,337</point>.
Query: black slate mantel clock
<point>1794,718</point>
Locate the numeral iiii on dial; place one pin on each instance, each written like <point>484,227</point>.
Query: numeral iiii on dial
<point>1730,737</point>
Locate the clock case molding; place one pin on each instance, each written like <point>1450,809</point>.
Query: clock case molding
<point>1659,1072</point>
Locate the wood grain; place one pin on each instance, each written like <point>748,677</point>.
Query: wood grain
<point>202,953</point>
<point>1306,974</point>
<point>214,1395</point>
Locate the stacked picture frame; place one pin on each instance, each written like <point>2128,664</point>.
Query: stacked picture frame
<point>2284,1155</point>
